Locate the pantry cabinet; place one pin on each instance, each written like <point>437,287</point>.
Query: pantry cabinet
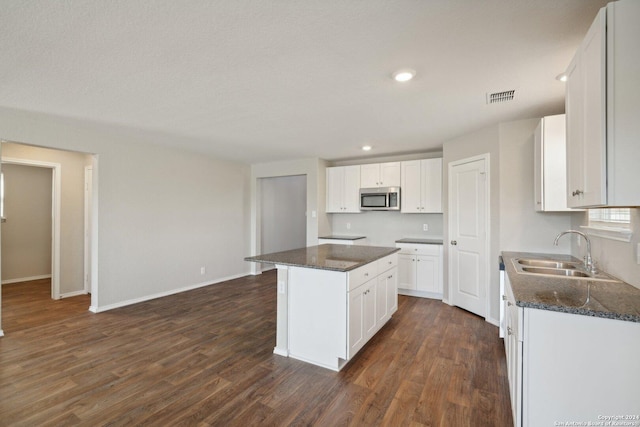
<point>602,97</point>
<point>343,187</point>
<point>421,186</point>
<point>380,175</point>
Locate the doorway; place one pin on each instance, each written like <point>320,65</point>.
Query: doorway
<point>283,221</point>
<point>469,234</point>
<point>55,171</point>
<point>71,275</point>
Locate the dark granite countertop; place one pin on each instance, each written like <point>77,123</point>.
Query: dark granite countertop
<point>327,256</point>
<point>608,299</point>
<point>420,241</point>
<point>342,237</point>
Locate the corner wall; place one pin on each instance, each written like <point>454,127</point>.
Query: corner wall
<point>163,213</point>
<point>514,224</point>
<point>483,141</point>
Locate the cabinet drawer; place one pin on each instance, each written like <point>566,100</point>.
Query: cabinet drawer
<point>363,274</point>
<point>419,249</point>
<point>386,263</point>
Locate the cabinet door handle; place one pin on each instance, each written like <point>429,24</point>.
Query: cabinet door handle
<point>366,274</point>
<point>509,330</point>
<point>504,297</point>
<point>454,242</point>
<point>577,193</point>
<point>390,277</point>
<point>509,304</point>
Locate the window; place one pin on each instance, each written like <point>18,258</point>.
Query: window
<point>612,217</point>
<point>610,223</point>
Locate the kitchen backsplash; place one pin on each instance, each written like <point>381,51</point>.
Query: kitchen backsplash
<point>384,228</point>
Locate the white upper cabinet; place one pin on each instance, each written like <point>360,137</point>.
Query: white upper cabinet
<point>550,167</point>
<point>602,103</point>
<point>380,175</point>
<point>343,189</point>
<point>421,188</point>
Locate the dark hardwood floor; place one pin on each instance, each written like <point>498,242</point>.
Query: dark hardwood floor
<point>205,357</point>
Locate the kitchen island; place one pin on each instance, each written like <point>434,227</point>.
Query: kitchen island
<point>331,300</point>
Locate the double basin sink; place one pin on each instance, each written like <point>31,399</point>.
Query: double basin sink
<point>548,267</point>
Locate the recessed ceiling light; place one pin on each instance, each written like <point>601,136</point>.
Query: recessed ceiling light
<point>366,148</point>
<point>562,77</point>
<point>404,75</point>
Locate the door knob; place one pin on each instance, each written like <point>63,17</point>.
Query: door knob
<point>453,242</point>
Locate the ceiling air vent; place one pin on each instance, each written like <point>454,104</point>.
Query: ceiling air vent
<point>497,97</point>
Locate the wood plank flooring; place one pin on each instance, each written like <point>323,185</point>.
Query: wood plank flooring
<point>205,357</point>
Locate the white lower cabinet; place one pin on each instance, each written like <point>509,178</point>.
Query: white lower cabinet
<point>372,304</point>
<point>420,270</point>
<point>570,368</point>
<point>362,307</point>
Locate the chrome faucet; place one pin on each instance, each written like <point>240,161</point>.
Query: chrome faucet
<point>589,265</point>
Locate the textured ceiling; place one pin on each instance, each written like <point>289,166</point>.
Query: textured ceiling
<point>258,80</point>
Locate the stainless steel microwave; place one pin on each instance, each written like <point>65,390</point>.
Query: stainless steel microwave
<point>380,199</point>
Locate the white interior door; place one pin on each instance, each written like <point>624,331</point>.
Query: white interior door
<point>468,214</point>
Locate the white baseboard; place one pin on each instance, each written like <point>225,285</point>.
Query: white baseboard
<point>493,321</point>
<point>73,294</point>
<point>420,294</point>
<point>108,307</point>
<point>26,279</point>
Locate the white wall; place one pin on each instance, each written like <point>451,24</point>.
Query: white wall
<point>283,205</point>
<point>163,213</point>
<point>383,228</point>
<point>26,236</point>
<point>522,228</point>
<point>72,207</point>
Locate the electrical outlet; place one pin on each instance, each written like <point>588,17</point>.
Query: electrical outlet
<point>281,287</point>
<point>348,226</point>
<point>425,227</point>
<point>202,270</point>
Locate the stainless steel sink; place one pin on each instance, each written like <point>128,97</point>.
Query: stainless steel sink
<point>546,263</point>
<point>555,271</point>
<point>557,268</point>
